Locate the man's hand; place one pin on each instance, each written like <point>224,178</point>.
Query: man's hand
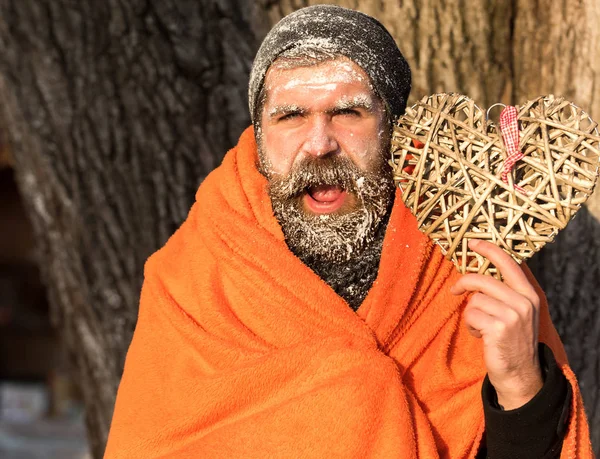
<point>506,316</point>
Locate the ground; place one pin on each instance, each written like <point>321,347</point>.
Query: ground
<point>43,439</point>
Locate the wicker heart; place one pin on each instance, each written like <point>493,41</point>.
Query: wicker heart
<point>448,160</point>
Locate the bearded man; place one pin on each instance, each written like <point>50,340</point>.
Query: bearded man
<point>298,312</point>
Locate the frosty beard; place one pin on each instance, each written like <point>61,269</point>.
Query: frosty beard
<point>338,237</point>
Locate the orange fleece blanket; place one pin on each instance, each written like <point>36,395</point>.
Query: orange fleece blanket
<point>240,350</point>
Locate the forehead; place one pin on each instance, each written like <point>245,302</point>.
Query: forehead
<point>339,76</point>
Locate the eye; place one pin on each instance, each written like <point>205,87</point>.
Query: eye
<point>348,112</point>
<point>289,116</point>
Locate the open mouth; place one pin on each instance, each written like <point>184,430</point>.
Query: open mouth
<point>325,199</point>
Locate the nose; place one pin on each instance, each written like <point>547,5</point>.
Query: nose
<point>320,138</point>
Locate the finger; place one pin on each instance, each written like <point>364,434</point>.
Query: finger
<point>490,287</point>
<point>477,321</point>
<point>511,272</point>
<point>474,332</point>
<point>508,314</point>
<point>494,292</point>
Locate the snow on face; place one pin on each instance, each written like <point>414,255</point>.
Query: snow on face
<point>323,109</point>
<point>323,125</point>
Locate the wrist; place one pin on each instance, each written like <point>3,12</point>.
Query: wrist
<point>513,393</point>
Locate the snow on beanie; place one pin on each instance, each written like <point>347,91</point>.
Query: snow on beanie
<point>343,31</point>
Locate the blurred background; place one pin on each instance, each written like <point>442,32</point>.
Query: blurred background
<point>111,115</point>
<point>41,408</point>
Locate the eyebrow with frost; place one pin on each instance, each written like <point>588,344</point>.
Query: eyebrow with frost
<point>362,101</point>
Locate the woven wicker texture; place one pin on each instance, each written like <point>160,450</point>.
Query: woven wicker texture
<point>448,161</point>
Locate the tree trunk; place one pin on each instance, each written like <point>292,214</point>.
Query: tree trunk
<point>115,111</point>
<point>555,51</point>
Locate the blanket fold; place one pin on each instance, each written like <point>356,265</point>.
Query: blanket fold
<point>240,350</point>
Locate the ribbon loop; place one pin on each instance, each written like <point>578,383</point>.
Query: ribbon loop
<point>509,128</point>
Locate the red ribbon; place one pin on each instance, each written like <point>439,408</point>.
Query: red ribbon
<point>510,134</point>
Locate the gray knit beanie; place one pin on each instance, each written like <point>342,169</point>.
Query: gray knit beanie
<point>338,30</point>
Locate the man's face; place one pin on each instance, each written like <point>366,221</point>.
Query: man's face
<point>322,146</point>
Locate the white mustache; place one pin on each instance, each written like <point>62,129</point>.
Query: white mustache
<point>340,172</point>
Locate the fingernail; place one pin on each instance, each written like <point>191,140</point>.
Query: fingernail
<point>474,243</point>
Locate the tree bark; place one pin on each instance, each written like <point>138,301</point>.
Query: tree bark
<point>115,111</point>
<point>555,51</point>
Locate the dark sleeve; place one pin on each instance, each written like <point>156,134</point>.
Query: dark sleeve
<point>535,430</point>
